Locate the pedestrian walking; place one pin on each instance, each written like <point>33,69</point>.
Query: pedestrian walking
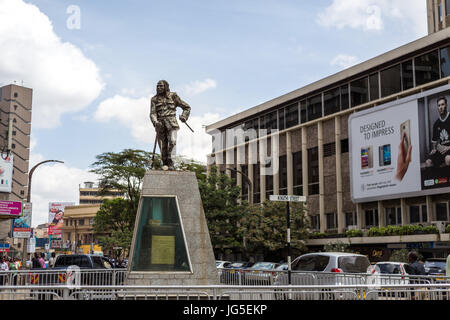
<point>42,260</point>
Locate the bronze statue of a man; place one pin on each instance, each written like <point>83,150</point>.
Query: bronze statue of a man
<point>163,116</point>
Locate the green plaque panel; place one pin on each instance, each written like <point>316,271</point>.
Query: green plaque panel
<point>160,244</point>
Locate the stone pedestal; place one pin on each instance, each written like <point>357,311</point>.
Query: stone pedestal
<point>171,243</point>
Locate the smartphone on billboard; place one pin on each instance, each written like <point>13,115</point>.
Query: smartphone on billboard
<point>384,153</point>
<point>405,128</point>
<point>366,157</point>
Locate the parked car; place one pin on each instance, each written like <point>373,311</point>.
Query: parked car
<point>222,264</point>
<point>326,269</point>
<point>435,266</point>
<point>261,273</point>
<point>232,274</point>
<point>387,273</point>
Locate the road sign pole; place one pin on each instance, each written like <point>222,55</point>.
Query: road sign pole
<point>288,236</point>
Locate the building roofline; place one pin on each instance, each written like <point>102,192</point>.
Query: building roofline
<point>353,71</point>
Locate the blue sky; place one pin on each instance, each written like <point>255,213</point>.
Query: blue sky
<point>92,85</point>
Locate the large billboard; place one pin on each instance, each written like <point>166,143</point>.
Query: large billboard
<point>56,217</point>
<point>402,148</point>
<point>22,225</point>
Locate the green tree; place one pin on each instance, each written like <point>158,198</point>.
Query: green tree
<point>115,217</point>
<point>220,197</point>
<point>123,171</point>
<point>264,228</point>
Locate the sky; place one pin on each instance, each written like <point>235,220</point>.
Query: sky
<point>93,66</point>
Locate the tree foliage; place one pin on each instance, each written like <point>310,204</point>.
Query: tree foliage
<point>264,228</point>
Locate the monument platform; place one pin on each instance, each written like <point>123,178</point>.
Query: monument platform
<point>171,243</point>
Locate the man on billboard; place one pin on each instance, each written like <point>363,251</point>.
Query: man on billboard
<point>440,142</point>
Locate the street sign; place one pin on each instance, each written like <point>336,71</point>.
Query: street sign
<point>10,208</point>
<point>287,198</point>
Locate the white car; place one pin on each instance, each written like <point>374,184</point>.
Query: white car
<point>387,273</point>
<point>220,264</point>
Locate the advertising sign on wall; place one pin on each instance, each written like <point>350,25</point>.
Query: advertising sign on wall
<point>22,225</point>
<point>56,217</point>
<point>6,169</point>
<point>10,208</point>
<point>401,148</point>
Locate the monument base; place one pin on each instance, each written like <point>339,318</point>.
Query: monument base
<point>171,243</point>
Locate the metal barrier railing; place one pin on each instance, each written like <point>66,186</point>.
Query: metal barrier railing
<point>215,292</point>
<point>38,277</point>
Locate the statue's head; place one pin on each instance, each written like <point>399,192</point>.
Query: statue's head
<point>162,87</point>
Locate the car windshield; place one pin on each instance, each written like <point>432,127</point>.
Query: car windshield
<point>312,263</point>
<point>263,265</point>
<point>353,264</point>
<point>435,264</point>
<point>237,265</point>
<point>388,268</point>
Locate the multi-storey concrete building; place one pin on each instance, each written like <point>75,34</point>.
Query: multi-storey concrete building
<point>90,194</point>
<point>311,125</point>
<point>15,128</point>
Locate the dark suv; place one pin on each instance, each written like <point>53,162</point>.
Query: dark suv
<point>83,261</point>
<point>435,266</point>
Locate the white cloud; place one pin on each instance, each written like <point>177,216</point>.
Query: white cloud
<point>62,78</point>
<point>197,87</point>
<point>370,15</point>
<point>134,113</point>
<point>54,182</point>
<point>344,61</point>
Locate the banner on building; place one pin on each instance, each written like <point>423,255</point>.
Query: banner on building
<point>22,225</point>
<point>6,172</point>
<point>10,208</point>
<point>402,148</point>
<point>56,217</point>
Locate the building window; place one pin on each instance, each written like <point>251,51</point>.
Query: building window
<point>445,62</point>
<point>371,217</point>
<point>252,124</point>
<point>345,101</point>
<point>332,101</point>
<point>331,220</point>
<point>329,149</point>
<point>269,122</point>
<point>393,216</point>
<point>315,222</point>
<point>269,183</point>
<point>350,219</point>
<point>81,222</point>
<point>391,81</point>
<point>407,75</point>
<point>283,175</point>
<point>441,211</point>
<point>245,185</point>
<point>281,119</point>
<point>256,183</point>
<point>291,115</point>
<point>427,68</point>
<point>359,91</point>
<point>16,95</point>
<point>298,173</point>
<point>418,213</point>
<point>314,107</point>
<point>303,112</point>
<point>313,171</point>
<point>344,145</point>
<point>374,86</point>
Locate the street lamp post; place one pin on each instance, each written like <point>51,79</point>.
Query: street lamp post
<point>30,174</point>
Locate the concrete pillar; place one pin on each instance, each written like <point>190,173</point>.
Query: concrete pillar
<point>405,216</point>
<point>359,216</point>
<point>290,164</point>
<point>251,175</point>
<point>262,183</point>
<point>339,198</point>
<point>323,220</point>
<point>431,213</point>
<point>381,215</point>
<point>305,162</point>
